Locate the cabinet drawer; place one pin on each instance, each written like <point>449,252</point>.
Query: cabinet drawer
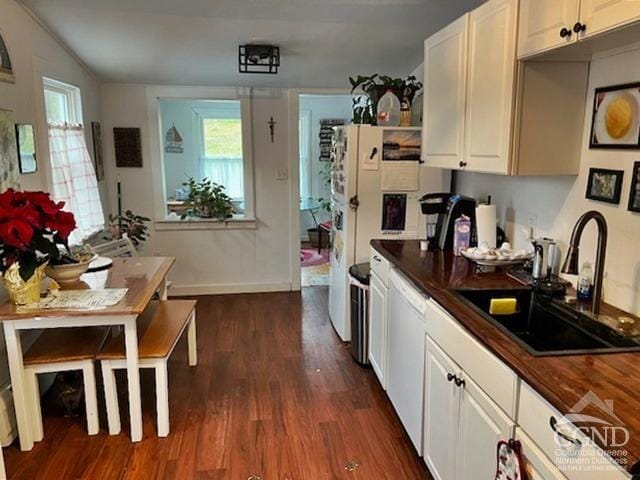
<point>494,377</point>
<point>535,416</point>
<point>537,465</point>
<point>379,265</point>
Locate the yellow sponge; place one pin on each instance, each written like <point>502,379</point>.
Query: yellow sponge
<point>503,306</point>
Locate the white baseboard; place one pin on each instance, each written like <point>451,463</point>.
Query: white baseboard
<point>186,290</point>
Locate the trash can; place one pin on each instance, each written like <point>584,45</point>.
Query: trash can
<point>359,285</point>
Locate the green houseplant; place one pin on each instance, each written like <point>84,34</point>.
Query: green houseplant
<point>374,86</point>
<point>134,226</point>
<point>207,199</point>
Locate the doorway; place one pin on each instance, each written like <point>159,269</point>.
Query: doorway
<point>318,114</point>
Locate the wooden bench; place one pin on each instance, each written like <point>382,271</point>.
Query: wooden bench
<point>159,329</point>
<point>63,350</point>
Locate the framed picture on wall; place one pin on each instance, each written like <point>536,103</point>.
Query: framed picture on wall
<point>26,143</point>
<point>634,195</point>
<point>128,147</point>
<point>605,185</point>
<point>98,162</point>
<point>616,117</point>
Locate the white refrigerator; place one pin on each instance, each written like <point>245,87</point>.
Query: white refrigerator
<point>376,183</point>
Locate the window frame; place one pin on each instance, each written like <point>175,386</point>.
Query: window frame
<point>73,97</point>
<point>156,94</point>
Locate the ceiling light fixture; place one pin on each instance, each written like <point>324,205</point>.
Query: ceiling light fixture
<point>258,59</point>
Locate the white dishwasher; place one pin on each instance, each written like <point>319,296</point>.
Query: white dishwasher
<point>406,353</point>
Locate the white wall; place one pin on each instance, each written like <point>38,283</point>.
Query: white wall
<point>212,261</point>
<point>35,53</point>
<point>555,204</point>
<point>320,107</point>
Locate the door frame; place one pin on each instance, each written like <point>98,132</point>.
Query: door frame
<point>294,175</point>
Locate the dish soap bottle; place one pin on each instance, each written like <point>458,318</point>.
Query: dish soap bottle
<point>585,282</point>
<point>389,110</point>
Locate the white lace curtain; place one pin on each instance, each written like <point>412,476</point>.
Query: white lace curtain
<point>227,171</point>
<point>74,179</point>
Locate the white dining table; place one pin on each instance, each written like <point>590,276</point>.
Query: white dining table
<point>143,277</point>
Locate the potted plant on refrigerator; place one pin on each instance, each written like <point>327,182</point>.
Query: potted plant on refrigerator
<point>375,86</point>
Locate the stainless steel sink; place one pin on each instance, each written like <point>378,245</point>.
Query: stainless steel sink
<point>546,326</point>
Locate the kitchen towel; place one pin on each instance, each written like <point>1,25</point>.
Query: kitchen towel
<point>486,223</point>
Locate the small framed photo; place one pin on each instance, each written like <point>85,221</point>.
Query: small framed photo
<point>605,185</point>
<point>26,148</point>
<point>634,196</point>
<point>616,117</point>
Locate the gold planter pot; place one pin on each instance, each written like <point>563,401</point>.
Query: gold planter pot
<point>21,292</point>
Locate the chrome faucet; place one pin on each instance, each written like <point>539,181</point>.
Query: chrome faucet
<point>571,262</point>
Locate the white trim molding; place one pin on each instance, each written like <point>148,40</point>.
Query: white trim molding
<point>220,289</point>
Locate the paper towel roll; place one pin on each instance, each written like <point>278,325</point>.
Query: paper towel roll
<point>486,224</point>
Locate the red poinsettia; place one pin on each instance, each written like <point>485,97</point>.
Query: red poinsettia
<point>31,227</point>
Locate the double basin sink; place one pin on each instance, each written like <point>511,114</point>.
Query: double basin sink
<point>545,326</point>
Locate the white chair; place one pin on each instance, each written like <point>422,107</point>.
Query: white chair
<point>63,350</point>
<point>122,247</point>
<point>159,329</point>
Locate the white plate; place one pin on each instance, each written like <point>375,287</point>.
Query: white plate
<point>600,127</point>
<point>99,264</point>
<point>497,262</point>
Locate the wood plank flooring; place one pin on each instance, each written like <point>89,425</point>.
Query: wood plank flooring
<point>275,395</point>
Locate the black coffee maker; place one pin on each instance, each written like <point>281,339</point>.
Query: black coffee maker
<point>442,210</point>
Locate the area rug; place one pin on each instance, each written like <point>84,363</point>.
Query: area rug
<point>310,257</point>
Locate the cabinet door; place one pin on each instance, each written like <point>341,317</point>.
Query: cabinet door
<point>445,67</point>
<point>541,22</point>
<point>441,407</point>
<point>601,15</point>
<point>378,329</point>
<point>490,87</point>
<point>405,373</point>
<point>482,426</point>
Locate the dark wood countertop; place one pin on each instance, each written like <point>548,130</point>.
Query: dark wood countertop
<point>561,380</point>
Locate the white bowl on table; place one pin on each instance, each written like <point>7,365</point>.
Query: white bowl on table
<point>70,272</point>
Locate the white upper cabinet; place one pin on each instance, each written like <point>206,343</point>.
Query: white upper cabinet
<point>598,16</point>
<point>546,24</point>
<point>549,24</point>
<point>485,113</point>
<point>445,64</point>
<point>490,86</point>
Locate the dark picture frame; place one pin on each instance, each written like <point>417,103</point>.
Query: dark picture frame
<point>605,185</point>
<point>98,161</point>
<point>6,68</point>
<point>26,145</point>
<point>631,92</point>
<point>394,212</point>
<point>128,147</point>
<point>634,194</point>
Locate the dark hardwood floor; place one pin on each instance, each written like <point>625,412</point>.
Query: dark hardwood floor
<point>275,395</point>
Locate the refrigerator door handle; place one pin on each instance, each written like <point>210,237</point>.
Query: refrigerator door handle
<point>354,203</point>
<point>373,153</point>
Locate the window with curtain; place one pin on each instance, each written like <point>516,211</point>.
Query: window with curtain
<point>221,158</point>
<point>304,146</point>
<point>73,178</point>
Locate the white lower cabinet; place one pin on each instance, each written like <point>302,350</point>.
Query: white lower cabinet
<point>462,424</point>
<point>441,412</point>
<point>378,328</point>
